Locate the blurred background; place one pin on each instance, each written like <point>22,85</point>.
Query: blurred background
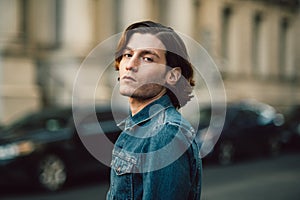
<point>254,43</point>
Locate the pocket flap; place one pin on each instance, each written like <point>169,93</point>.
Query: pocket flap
<point>123,162</point>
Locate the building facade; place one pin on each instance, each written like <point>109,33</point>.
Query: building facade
<point>44,43</point>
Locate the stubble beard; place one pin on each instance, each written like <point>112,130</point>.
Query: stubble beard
<point>146,92</point>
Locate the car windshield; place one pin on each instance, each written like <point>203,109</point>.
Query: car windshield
<point>259,113</point>
<point>47,120</point>
<point>206,116</point>
<point>19,123</point>
<point>265,113</point>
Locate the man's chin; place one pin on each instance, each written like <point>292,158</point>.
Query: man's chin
<point>132,95</point>
<point>142,93</point>
<point>126,94</point>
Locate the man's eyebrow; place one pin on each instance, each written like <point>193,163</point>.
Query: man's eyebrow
<point>144,51</point>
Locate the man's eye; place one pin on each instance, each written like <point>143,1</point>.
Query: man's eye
<point>127,55</point>
<point>148,59</point>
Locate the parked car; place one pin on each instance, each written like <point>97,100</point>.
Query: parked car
<point>292,128</point>
<point>44,148</point>
<point>250,128</point>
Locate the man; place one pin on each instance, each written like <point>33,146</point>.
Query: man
<point>155,157</point>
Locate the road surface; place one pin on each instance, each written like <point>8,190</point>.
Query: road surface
<point>261,179</point>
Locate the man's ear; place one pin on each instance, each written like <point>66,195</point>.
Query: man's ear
<point>173,76</point>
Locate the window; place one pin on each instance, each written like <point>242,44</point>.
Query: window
<point>256,41</point>
<point>226,15</point>
<point>23,20</point>
<point>284,25</point>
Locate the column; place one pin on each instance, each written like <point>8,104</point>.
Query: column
<point>9,21</point>
<point>77,26</point>
<point>132,11</point>
<point>270,42</point>
<point>9,30</point>
<point>42,24</point>
<point>242,29</point>
<point>179,15</point>
<point>105,19</point>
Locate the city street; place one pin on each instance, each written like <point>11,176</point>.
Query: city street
<point>257,179</point>
<point>72,71</point>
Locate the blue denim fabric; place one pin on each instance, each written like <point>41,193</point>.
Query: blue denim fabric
<point>156,157</point>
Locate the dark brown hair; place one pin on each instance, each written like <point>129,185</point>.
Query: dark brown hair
<point>176,56</point>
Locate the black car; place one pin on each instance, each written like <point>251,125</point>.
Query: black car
<point>292,128</point>
<point>46,149</point>
<point>249,129</point>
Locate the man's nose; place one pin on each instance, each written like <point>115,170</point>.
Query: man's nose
<point>133,63</point>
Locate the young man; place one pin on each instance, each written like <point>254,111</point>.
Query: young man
<point>155,157</point>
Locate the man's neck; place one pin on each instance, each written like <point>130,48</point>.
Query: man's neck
<point>136,105</point>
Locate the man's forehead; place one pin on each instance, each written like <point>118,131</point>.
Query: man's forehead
<point>145,41</point>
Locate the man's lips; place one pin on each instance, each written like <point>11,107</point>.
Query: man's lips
<point>128,78</point>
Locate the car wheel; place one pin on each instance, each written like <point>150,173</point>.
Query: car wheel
<point>226,153</point>
<point>51,173</point>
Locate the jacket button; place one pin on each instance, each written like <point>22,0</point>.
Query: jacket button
<point>118,170</point>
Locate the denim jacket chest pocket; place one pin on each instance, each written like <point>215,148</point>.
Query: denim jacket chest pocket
<point>123,162</point>
<point>123,166</point>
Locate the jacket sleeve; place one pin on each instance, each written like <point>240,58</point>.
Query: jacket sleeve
<point>173,181</point>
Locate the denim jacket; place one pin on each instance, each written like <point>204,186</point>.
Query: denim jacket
<point>156,157</point>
